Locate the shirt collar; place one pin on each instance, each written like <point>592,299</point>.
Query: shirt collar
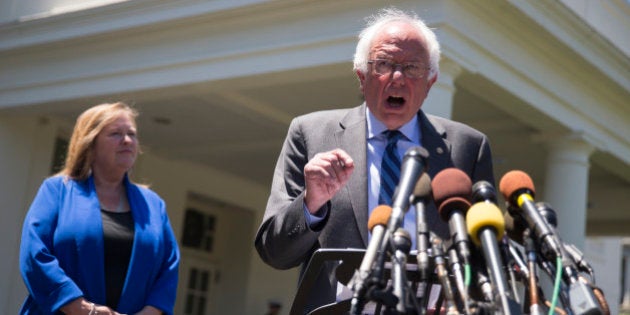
<point>411,130</point>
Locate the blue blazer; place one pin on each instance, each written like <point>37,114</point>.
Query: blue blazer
<point>62,256</point>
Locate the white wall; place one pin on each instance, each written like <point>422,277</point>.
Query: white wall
<point>605,255</point>
<point>26,145</point>
<point>174,179</point>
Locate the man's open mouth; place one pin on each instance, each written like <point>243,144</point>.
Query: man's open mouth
<point>395,101</point>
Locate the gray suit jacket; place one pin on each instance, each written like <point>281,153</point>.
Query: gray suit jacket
<point>284,240</point>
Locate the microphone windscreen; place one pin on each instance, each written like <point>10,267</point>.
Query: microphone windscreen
<point>514,226</point>
<point>449,205</point>
<point>484,215</point>
<point>454,186</point>
<point>380,216</point>
<point>423,187</point>
<point>514,181</point>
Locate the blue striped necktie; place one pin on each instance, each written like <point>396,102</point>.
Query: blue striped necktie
<point>390,168</point>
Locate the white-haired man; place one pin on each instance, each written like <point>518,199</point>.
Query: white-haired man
<point>328,175</point>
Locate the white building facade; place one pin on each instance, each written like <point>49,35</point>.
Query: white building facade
<point>218,81</point>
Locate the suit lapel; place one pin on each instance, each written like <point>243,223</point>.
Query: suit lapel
<point>352,139</point>
<point>434,139</point>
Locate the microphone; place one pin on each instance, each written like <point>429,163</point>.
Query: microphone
<point>413,164</point>
<point>485,225</point>
<point>452,192</point>
<point>402,245</point>
<point>518,190</point>
<point>421,194</point>
<point>515,225</point>
<point>570,250</point>
<point>376,224</point>
<point>483,191</point>
<point>547,212</point>
<point>582,295</point>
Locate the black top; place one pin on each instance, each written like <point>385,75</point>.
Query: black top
<point>118,241</point>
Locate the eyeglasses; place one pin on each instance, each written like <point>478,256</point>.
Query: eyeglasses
<point>411,69</point>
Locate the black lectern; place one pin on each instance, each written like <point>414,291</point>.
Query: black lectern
<point>349,260</point>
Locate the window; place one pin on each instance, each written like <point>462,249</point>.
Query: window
<point>199,230</point>
<point>59,155</point>
<point>200,280</point>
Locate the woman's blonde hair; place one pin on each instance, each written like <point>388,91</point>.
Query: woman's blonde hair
<point>89,124</point>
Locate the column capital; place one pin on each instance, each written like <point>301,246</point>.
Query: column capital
<point>575,146</point>
<point>449,71</point>
<point>440,100</point>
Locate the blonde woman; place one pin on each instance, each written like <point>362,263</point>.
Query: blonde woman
<point>93,241</point>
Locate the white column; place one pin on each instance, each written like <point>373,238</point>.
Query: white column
<point>439,102</point>
<point>566,184</point>
<point>625,290</point>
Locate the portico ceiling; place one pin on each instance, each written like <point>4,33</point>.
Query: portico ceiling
<point>241,131</point>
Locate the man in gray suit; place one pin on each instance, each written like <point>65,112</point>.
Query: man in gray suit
<point>327,180</point>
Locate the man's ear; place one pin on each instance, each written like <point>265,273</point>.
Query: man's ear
<point>361,77</point>
<point>431,81</point>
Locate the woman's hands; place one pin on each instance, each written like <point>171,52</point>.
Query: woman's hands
<point>81,306</point>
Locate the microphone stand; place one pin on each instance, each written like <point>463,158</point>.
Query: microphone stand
<point>456,269</point>
<point>422,193</point>
<point>508,262</point>
<point>423,261</point>
<point>442,274</point>
<point>530,249</point>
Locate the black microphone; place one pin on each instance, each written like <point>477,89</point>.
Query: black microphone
<point>518,190</point>
<point>549,214</point>
<point>485,224</point>
<point>413,165</point>
<point>402,245</point>
<point>421,195</point>
<point>452,192</point>
<point>376,224</point>
<point>483,191</point>
<point>515,225</point>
